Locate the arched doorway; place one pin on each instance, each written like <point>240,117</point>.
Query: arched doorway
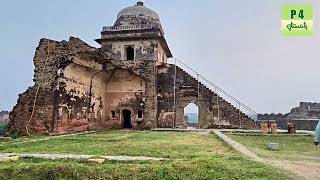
<point>126,117</point>
<point>191,115</point>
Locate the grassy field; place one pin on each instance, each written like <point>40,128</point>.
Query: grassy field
<point>131,143</point>
<point>291,147</point>
<point>190,156</point>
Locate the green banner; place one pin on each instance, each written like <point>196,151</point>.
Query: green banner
<point>297,20</point>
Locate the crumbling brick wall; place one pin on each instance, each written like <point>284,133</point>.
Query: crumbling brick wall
<point>150,105</point>
<point>47,62</point>
<point>49,57</point>
<point>50,60</point>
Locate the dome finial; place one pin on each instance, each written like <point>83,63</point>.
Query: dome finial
<point>139,3</point>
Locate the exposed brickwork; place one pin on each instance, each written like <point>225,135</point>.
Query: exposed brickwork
<point>21,113</point>
<point>150,112</point>
<point>50,65</point>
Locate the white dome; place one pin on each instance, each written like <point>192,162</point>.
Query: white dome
<point>138,10</point>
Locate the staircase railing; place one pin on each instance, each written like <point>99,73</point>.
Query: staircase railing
<point>220,92</point>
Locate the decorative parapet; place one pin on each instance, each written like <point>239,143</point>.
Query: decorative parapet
<point>136,27</point>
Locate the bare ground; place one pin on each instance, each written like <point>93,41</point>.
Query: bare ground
<point>303,169</point>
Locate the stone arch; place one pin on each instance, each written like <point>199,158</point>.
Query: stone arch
<point>183,102</point>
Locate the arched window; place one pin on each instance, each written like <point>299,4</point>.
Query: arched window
<point>130,53</point>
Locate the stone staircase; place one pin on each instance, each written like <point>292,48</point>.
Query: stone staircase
<point>232,114</point>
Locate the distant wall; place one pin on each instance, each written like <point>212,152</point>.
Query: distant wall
<point>305,117</point>
<point>4,117</point>
<point>283,120</point>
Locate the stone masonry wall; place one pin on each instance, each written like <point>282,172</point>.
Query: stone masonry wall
<point>282,122</point>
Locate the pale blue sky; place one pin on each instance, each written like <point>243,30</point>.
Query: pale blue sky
<point>235,44</point>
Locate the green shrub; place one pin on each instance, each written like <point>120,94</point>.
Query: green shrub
<point>15,134</point>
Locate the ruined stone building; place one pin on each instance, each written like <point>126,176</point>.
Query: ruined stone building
<point>127,83</point>
<point>4,117</point>
<point>304,117</point>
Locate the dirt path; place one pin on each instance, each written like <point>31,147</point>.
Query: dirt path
<point>237,146</point>
<point>303,169</point>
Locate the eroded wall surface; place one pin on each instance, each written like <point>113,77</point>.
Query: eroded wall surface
<point>35,108</point>
<point>125,91</point>
<point>144,50</point>
<point>77,87</point>
<point>79,98</point>
<point>85,97</point>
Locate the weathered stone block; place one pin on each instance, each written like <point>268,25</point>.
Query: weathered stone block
<point>9,158</point>
<point>96,160</point>
<point>273,147</point>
